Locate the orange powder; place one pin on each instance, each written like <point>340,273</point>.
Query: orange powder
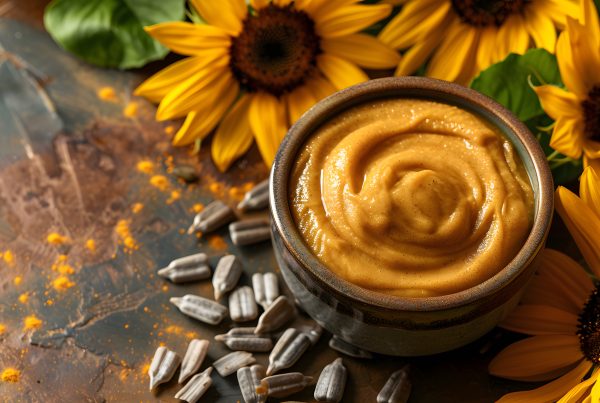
<point>54,238</point>
<point>62,283</point>
<point>137,207</point>
<point>23,298</point>
<point>10,375</point>
<point>160,182</point>
<point>175,195</point>
<point>8,257</point>
<point>2,328</point>
<point>125,236</point>
<point>131,109</point>
<point>107,94</point>
<point>198,207</point>
<point>17,280</point>
<point>31,322</point>
<point>217,242</point>
<point>90,244</point>
<point>145,166</point>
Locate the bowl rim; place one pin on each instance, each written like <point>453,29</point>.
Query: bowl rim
<point>410,87</point>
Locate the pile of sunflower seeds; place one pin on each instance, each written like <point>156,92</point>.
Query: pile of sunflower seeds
<point>256,382</point>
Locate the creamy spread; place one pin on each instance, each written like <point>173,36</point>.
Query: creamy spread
<point>411,197</point>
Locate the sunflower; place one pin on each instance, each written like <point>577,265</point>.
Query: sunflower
<point>253,71</point>
<point>561,311</point>
<point>576,111</point>
<point>470,35</point>
<point>582,215</point>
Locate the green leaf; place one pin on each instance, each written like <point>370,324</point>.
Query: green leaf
<point>110,33</point>
<point>508,81</point>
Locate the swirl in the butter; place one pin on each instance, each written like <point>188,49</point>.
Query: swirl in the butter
<point>411,197</point>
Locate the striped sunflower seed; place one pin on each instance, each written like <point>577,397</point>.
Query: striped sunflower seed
<point>266,288</point>
<point>313,332</point>
<point>331,383</point>
<point>196,387</point>
<point>248,232</point>
<point>275,316</point>
<point>249,379</point>
<point>193,358</point>
<point>242,306</point>
<point>283,384</point>
<point>288,349</point>
<point>257,198</point>
<point>186,269</point>
<point>231,362</point>
<point>199,308</point>
<point>397,388</point>
<point>227,274</point>
<point>244,339</point>
<point>346,348</point>
<point>214,216</point>
<point>163,366</point>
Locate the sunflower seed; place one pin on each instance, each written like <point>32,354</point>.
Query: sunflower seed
<point>242,306</point>
<point>346,348</point>
<point>247,232</point>
<point>249,379</point>
<point>266,288</point>
<point>283,384</point>
<point>313,332</point>
<point>227,274</point>
<point>186,172</point>
<point>288,349</point>
<point>331,383</point>
<point>185,269</point>
<point>244,339</point>
<point>230,363</point>
<point>196,387</point>
<point>215,215</point>
<point>203,309</point>
<point>163,366</point>
<point>257,198</point>
<point>193,358</point>
<point>277,314</point>
<point>397,388</point>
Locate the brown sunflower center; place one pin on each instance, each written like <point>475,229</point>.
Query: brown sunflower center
<point>588,328</point>
<point>276,50</point>
<point>481,13</point>
<point>591,114</point>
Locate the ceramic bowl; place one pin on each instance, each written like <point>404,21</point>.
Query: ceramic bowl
<point>399,325</point>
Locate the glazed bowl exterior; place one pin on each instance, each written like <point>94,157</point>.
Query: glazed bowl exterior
<point>399,325</point>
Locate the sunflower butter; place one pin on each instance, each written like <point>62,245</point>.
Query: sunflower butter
<point>411,197</point>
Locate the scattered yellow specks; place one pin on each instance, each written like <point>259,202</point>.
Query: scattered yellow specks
<point>169,130</point>
<point>23,298</point>
<point>107,94</point>
<point>236,192</point>
<point>126,325</point>
<point>90,244</point>
<point>2,328</point>
<point>62,283</point>
<point>175,195</point>
<point>54,238</point>
<point>162,343</point>
<point>146,309</point>
<point>10,375</point>
<point>137,207</point>
<point>49,302</point>
<point>17,280</point>
<point>165,288</point>
<point>8,257</point>
<point>61,265</point>
<point>144,369</point>
<point>198,207</point>
<point>215,187</point>
<point>217,242</point>
<point>160,181</point>
<point>173,329</point>
<point>125,236</point>
<point>145,166</point>
<point>31,322</point>
<point>191,335</point>
<point>131,109</point>
<point>248,186</point>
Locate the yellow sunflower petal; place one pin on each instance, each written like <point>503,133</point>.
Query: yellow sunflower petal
<point>487,46</point>
<point>341,73</point>
<point>557,10</point>
<point>233,137</point>
<point>448,61</point>
<point>282,3</point>
<point>583,224</point>
<point>540,319</point>
<point>512,38</point>
<point>268,123</point>
<point>579,391</point>
<point>541,28</point>
<point>595,395</point>
<point>226,14</point>
<point>191,93</point>
<point>364,50</point>
<point>198,124</point>
<point>568,71</point>
<point>591,149</point>
<point>595,163</point>
<point>590,19</point>
<point>589,188</point>
<point>416,55</point>
<point>567,137</point>
<point>190,39</point>
<point>414,23</point>
<point>158,86</point>
<point>350,19</point>
<point>258,4</point>
<point>320,87</point>
<point>558,103</point>
<point>552,391</point>
<point>537,358</point>
<point>585,51</point>
<point>298,102</point>
<point>318,9</point>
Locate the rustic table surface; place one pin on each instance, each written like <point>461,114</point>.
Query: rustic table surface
<point>68,165</point>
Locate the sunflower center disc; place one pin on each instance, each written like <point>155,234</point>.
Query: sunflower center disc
<point>591,114</point>
<point>481,13</point>
<point>276,50</point>
<point>588,328</point>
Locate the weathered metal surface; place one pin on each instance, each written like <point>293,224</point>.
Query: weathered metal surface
<point>99,336</point>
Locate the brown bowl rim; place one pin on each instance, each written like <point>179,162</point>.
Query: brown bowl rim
<point>410,87</point>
